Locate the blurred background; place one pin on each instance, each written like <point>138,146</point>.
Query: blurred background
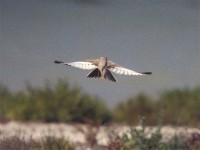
<point>162,36</point>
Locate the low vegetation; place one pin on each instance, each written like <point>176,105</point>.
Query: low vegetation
<point>173,107</point>
<point>48,143</point>
<point>138,139</point>
<point>134,139</point>
<point>65,103</point>
<point>59,104</point>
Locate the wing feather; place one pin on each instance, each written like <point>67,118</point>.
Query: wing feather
<point>125,71</point>
<point>82,65</point>
<point>78,64</point>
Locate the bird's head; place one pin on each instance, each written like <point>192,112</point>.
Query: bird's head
<point>103,58</point>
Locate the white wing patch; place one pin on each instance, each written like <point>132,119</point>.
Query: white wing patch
<point>124,71</point>
<point>82,65</point>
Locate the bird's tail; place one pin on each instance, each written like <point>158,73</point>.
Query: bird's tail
<point>109,76</point>
<point>97,74</point>
<point>94,73</point>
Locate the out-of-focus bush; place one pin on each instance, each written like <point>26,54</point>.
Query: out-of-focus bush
<point>62,103</point>
<point>175,107</point>
<point>65,103</point>
<point>180,107</point>
<point>134,108</point>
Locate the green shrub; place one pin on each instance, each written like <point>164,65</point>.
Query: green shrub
<point>137,139</point>
<point>131,110</point>
<point>53,143</point>
<point>175,107</point>
<point>65,103</point>
<point>59,104</point>
<point>179,106</point>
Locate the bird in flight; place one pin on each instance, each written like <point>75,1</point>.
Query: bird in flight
<point>102,68</point>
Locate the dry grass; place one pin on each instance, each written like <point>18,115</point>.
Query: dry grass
<point>26,136</point>
<point>16,143</point>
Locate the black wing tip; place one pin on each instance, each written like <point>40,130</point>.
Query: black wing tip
<point>58,62</point>
<point>147,73</point>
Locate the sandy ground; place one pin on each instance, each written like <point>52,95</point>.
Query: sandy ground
<point>79,133</point>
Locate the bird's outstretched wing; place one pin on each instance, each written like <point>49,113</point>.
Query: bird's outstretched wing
<point>78,64</point>
<point>124,71</point>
